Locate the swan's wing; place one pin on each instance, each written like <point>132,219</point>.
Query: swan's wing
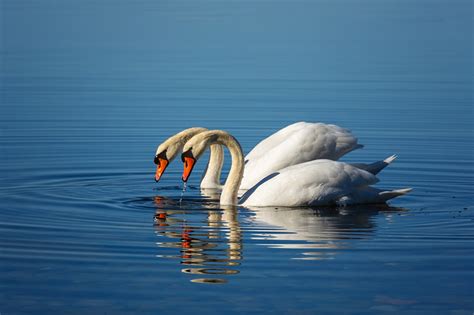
<point>345,142</point>
<point>319,182</point>
<point>273,140</point>
<point>292,150</point>
<point>306,142</point>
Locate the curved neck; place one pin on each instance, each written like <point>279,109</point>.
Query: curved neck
<point>212,174</point>
<point>232,184</point>
<point>175,143</point>
<point>211,177</point>
<point>182,137</point>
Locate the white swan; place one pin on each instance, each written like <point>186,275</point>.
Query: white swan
<point>294,144</point>
<point>318,182</point>
<point>297,143</point>
<point>171,147</point>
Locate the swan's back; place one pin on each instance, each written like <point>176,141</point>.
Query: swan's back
<point>295,144</point>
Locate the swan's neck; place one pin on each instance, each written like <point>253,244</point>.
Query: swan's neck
<point>232,184</point>
<point>212,175</point>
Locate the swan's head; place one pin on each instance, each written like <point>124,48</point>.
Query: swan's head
<point>194,149</point>
<point>168,150</point>
<point>163,157</point>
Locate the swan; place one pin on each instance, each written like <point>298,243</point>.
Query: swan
<point>297,143</point>
<point>313,183</point>
<point>171,147</point>
<point>294,144</point>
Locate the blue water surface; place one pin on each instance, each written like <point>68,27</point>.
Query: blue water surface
<point>90,88</point>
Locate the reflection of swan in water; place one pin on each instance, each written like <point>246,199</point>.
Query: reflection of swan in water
<point>208,241</point>
<point>210,249</point>
<point>211,193</point>
<point>320,232</point>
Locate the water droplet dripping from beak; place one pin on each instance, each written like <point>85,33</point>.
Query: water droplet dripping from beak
<point>182,192</point>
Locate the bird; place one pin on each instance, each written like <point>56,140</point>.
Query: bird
<point>314,183</point>
<point>171,147</point>
<point>293,144</point>
<point>296,143</point>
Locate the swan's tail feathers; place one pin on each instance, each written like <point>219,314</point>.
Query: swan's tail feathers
<point>371,195</point>
<point>390,159</point>
<point>389,194</point>
<point>376,167</point>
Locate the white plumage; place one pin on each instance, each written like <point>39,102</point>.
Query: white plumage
<point>317,182</point>
<point>314,183</point>
<point>295,144</point>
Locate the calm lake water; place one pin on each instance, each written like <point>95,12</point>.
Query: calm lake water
<point>90,88</point>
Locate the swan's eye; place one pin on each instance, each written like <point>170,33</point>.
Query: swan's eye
<point>161,155</point>
<point>187,153</point>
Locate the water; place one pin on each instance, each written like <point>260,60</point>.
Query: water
<point>182,192</point>
<point>90,88</point>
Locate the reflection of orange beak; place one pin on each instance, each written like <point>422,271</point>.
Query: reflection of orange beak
<point>188,167</point>
<point>160,219</point>
<point>161,168</point>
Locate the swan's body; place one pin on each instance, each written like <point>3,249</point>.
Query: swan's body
<point>318,140</point>
<point>295,144</point>
<point>319,182</point>
<point>171,147</point>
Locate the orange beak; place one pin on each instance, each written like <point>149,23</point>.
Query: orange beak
<point>188,167</point>
<point>162,165</point>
